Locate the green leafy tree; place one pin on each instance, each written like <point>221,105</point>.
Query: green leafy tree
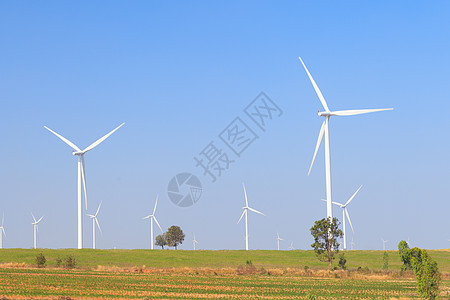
<point>406,254</point>
<point>160,240</point>
<point>174,236</point>
<point>427,275</point>
<point>385,260</point>
<point>326,233</point>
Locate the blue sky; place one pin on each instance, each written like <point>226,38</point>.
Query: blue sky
<point>179,73</point>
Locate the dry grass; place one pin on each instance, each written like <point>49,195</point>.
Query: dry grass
<point>13,265</point>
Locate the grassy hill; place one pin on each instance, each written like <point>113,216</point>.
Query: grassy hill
<point>88,258</point>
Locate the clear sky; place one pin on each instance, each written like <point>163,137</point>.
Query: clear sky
<point>178,74</point>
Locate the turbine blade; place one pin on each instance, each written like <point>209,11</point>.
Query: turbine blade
<point>83,178</point>
<point>97,142</point>
<point>98,209</point>
<point>146,217</point>
<point>353,112</point>
<point>39,219</point>
<point>245,193</point>
<point>90,216</point>
<point>4,232</point>
<point>3,219</point>
<point>254,210</point>
<point>156,203</point>
<point>243,213</point>
<point>348,218</point>
<point>33,217</point>
<point>316,88</point>
<point>319,141</point>
<point>74,147</point>
<point>98,225</point>
<point>351,198</point>
<point>336,203</point>
<point>157,223</point>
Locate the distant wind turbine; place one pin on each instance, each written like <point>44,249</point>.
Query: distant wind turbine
<point>194,241</point>
<point>81,175</point>
<point>2,232</point>
<point>291,247</point>
<point>324,131</point>
<point>153,217</point>
<point>278,241</point>
<point>345,213</point>
<point>246,208</point>
<point>35,229</point>
<point>95,222</point>
<point>384,244</point>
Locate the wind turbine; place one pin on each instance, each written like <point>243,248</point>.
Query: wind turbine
<point>95,221</point>
<point>345,213</point>
<point>152,217</point>
<point>246,208</point>
<point>35,229</point>
<point>81,174</point>
<point>291,247</point>
<point>194,241</point>
<point>324,131</point>
<point>2,232</point>
<point>278,241</point>
<point>384,244</point>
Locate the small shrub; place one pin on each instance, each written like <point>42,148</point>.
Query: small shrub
<point>40,260</point>
<point>385,260</point>
<point>342,262</point>
<point>248,269</point>
<point>70,262</point>
<point>306,268</point>
<point>58,262</point>
<point>310,297</point>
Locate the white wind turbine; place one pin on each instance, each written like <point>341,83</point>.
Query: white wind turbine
<point>2,232</point>
<point>352,244</point>
<point>278,241</point>
<point>246,208</point>
<point>81,175</point>
<point>152,217</point>
<point>194,241</point>
<point>384,244</point>
<point>291,247</point>
<point>35,229</point>
<point>94,222</point>
<point>345,213</point>
<point>324,130</point>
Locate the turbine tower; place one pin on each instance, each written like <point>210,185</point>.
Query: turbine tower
<point>2,232</point>
<point>152,217</point>
<point>81,175</point>
<point>194,241</point>
<point>384,244</point>
<point>95,221</point>
<point>345,213</point>
<point>278,241</point>
<point>246,208</point>
<point>324,131</point>
<point>35,229</point>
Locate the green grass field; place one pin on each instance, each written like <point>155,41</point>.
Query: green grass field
<point>171,274</point>
<point>88,258</point>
